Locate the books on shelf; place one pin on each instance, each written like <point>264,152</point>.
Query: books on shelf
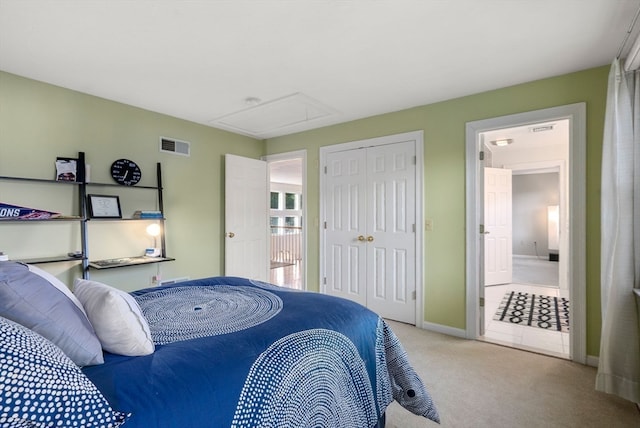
<point>147,214</point>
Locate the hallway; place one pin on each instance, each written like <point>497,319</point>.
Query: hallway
<point>533,276</point>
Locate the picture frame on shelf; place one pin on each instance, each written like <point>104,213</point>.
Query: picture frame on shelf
<point>66,169</point>
<point>104,206</point>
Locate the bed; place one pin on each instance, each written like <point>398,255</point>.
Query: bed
<point>226,352</point>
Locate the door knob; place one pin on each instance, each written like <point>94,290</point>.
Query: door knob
<point>231,234</point>
<point>370,238</point>
<point>360,238</point>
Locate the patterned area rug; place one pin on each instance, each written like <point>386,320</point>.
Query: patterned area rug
<point>534,310</point>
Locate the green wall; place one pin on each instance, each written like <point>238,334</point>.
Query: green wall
<point>444,187</point>
<point>39,122</point>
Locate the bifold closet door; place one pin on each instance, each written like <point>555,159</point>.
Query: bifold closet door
<point>346,225</point>
<point>391,235</point>
<point>370,228</point>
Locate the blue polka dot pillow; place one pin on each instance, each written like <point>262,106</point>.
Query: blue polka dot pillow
<point>41,387</point>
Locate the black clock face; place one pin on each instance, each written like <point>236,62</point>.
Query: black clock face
<point>125,172</point>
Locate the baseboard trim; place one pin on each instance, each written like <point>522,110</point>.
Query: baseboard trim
<point>593,361</point>
<point>444,329</point>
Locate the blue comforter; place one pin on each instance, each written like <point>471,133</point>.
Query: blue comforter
<point>231,352</point>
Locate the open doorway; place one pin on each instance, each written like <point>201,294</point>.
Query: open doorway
<point>526,298</point>
<point>287,207</point>
<point>575,203</point>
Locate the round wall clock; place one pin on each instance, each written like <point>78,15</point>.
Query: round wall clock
<point>125,172</point>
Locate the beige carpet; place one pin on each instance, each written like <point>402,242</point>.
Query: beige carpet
<point>476,384</point>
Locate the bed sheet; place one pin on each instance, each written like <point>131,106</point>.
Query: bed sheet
<point>231,352</point>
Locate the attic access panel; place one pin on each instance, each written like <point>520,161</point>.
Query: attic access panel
<point>273,115</point>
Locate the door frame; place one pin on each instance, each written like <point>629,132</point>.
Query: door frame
<point>576,114</point>
<point>418,137</point>
<point>297,154</point>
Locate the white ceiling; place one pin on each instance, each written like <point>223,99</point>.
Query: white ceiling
<point>308,63</point>
<point>533,144</point>
<point>286,171</point>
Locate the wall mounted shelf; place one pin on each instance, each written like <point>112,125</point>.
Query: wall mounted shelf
<point>84,218</point>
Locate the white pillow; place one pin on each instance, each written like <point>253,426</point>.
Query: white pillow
<point>116,317</point>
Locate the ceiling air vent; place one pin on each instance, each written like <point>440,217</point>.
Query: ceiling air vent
<point>542,128</point>
<point>176,147</point>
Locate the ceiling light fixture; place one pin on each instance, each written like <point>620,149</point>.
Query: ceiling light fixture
<point>503,142</point>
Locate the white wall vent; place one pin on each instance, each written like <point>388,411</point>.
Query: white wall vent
<point>176,147</point>
<point>173,281</point>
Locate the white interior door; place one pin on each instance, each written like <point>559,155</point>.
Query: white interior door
<point>246,218</point>
<point>391,238</point>
<point>498,247</point>
<point>370,237</point>
<point>345,225</point>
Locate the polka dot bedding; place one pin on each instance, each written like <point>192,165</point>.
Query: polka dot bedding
<point>236,353</point>
<point>182,313</point>
<point>276,392</point>
<point>41,387</point>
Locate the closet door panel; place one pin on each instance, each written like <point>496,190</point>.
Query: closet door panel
<point>391,207</point>
<point>345,226</point>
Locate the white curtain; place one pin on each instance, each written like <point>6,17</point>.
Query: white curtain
<point>619,362</point>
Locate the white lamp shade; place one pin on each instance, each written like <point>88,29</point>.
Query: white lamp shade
<point>153,229</point>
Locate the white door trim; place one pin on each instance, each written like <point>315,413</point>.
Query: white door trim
<point>418,137</point>
<point>576,113</point>
<point>297,154</point>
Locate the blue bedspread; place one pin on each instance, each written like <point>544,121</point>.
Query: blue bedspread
<point>237,353</point>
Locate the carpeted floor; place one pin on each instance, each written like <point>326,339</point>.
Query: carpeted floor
<point>477,385</point>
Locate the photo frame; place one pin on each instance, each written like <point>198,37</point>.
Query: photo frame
<point>66,169</point>
<point>104,206</point>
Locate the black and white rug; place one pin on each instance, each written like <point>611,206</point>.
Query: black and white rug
<point>534,310</point>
